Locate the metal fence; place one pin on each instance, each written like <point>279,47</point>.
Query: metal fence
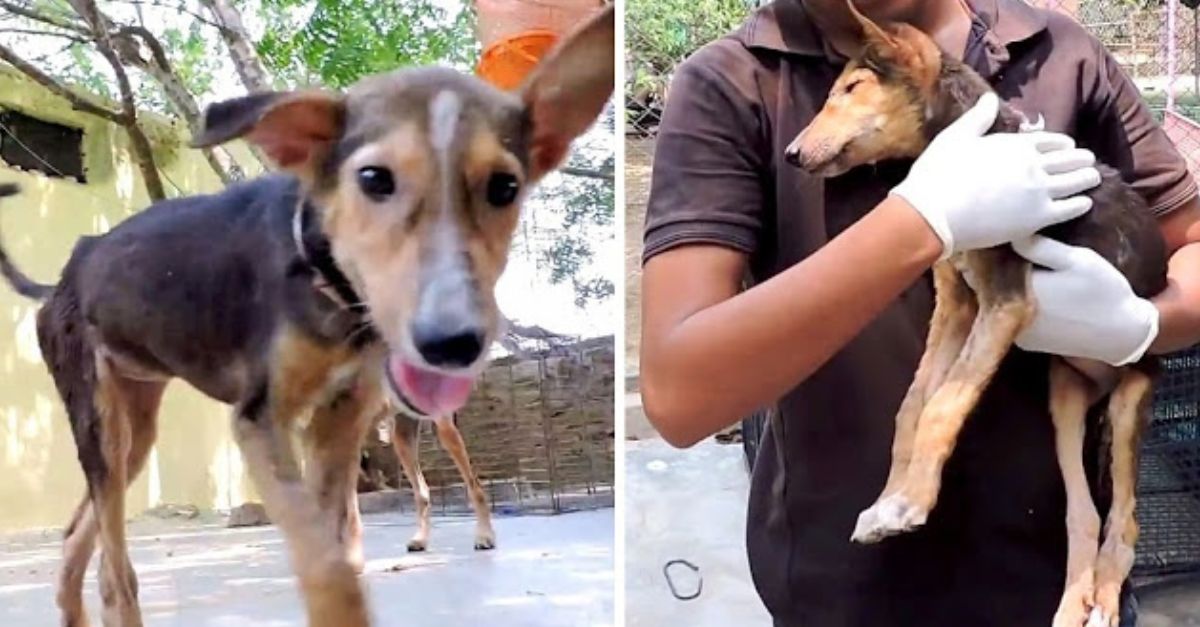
<point>1157,43</point>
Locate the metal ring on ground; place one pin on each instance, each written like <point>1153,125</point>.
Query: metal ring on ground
<point>671,583</point>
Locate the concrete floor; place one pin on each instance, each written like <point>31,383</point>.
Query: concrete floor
<point>691,505</point>
<point>548,571</point>
<point>687,505</point>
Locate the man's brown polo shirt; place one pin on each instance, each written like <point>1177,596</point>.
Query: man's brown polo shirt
<point>993,551</point>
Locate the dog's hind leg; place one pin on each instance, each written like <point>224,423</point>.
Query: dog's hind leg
<point>1068,408</point>
<point>1127,414</point>
<point>953,312</point>
<point>405,432</point>
<point>1003,312</point>
<point>80,537</point>
<point>452,441</point>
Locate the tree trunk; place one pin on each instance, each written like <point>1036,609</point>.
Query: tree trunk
<point>245,57</point>
<point>158,66</point>
<point>142,150</point>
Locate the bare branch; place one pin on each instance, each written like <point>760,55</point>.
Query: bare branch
<point>140,144</point>
<point>38,16</point>
<point>43,33</point>
<point>605,175</point>
<point>78,102</point>
<point>178,6</point>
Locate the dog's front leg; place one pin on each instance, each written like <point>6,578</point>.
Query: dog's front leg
<point>330,587</point>
<point>1127,413</point>
<point>333,442</point>
<point>1000,279</point>
<point>1068,408</point>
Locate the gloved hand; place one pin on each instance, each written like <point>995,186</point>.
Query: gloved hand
<point>979,191</point>
<point>1085,307</point>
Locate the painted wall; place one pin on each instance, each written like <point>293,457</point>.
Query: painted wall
<point>195,461</point>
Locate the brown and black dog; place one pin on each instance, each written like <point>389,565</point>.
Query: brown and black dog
<point>892,98</point>
<point>302,299</point>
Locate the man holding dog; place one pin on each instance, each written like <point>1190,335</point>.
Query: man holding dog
<point>835,316</point>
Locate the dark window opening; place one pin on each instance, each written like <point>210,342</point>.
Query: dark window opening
<point>32,144</point>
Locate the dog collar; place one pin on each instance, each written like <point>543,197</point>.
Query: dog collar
<point>317,253</point>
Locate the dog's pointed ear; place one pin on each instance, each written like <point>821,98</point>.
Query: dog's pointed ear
<point>294,129</point>
<point>566,92</point>
<point>872,33</point>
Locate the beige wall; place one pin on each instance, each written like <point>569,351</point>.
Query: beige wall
<point>195,461</point>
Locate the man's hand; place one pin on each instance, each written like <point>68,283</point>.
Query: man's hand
<point>1085,307</point>
<point>978,191</point>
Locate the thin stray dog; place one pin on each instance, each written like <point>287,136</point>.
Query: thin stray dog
<point>405,438</point>
<point>983,303</point>
<point>300,298</point>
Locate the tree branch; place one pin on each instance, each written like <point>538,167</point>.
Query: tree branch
<point>177,7</point>
<point>38,16</point>
<point>78,102</point>
<point>43,33</point>
<point>605,175</point>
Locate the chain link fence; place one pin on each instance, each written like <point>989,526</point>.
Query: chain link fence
<point>1157,43</point>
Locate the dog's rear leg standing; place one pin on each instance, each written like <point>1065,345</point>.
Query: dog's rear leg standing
<point>1127,412</point>
<point>1003,312</point>
<point>954,310</point>
<point>405,432</point>
<point>80,538</point>
<point>1068,408</point>
<point>452,442</point>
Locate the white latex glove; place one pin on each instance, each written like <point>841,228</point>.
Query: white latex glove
<point>1085,307</point>
<point>978,191</point>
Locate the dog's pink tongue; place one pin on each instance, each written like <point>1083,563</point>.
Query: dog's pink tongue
<point>434,393</point>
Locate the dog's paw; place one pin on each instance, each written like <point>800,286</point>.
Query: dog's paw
<point>1029,126</point>
<point>417,545</point>
<point>1077,601</point>
<point>889,516</point>
<point>485,539</point>
<point>1099,618</point>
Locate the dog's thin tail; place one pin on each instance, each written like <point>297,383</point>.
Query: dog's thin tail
<point>24,285</point>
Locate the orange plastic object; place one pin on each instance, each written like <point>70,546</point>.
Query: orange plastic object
<point>507,62</point>
<point>516,34</point>
<point>498,20</point>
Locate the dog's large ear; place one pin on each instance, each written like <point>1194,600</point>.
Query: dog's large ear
<point>568,90</point>
<point>294,129</point>
<point>872,33</point>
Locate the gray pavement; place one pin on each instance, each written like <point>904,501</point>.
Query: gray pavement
<point>548,571</point>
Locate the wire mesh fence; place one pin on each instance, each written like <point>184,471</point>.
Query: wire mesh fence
<point>1157,43</point>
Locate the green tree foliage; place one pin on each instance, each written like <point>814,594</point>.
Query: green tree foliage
<point>335,42</point>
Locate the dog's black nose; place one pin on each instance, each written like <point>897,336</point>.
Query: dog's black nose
<point>792,156</point>
<point>444,347</point>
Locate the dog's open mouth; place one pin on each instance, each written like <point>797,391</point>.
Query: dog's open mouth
<point>426,393</point>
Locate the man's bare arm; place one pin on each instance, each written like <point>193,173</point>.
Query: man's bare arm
<point>711,355</point>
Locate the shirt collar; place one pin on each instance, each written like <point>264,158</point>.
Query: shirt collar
<point>785,26</point>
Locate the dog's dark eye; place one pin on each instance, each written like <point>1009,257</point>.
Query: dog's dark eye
<point>851,85</point>
<point>376,183</point>
<point>502,189</point>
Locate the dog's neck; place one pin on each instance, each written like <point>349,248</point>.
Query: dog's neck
<point>316,254</point>
<point>958,89</point>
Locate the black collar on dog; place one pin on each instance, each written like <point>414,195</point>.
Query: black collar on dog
<point>316,251</point>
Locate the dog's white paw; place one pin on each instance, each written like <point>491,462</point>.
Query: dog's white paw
<point>1098,619</point>
<point>1031,127</point>
<point>889,516</point>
